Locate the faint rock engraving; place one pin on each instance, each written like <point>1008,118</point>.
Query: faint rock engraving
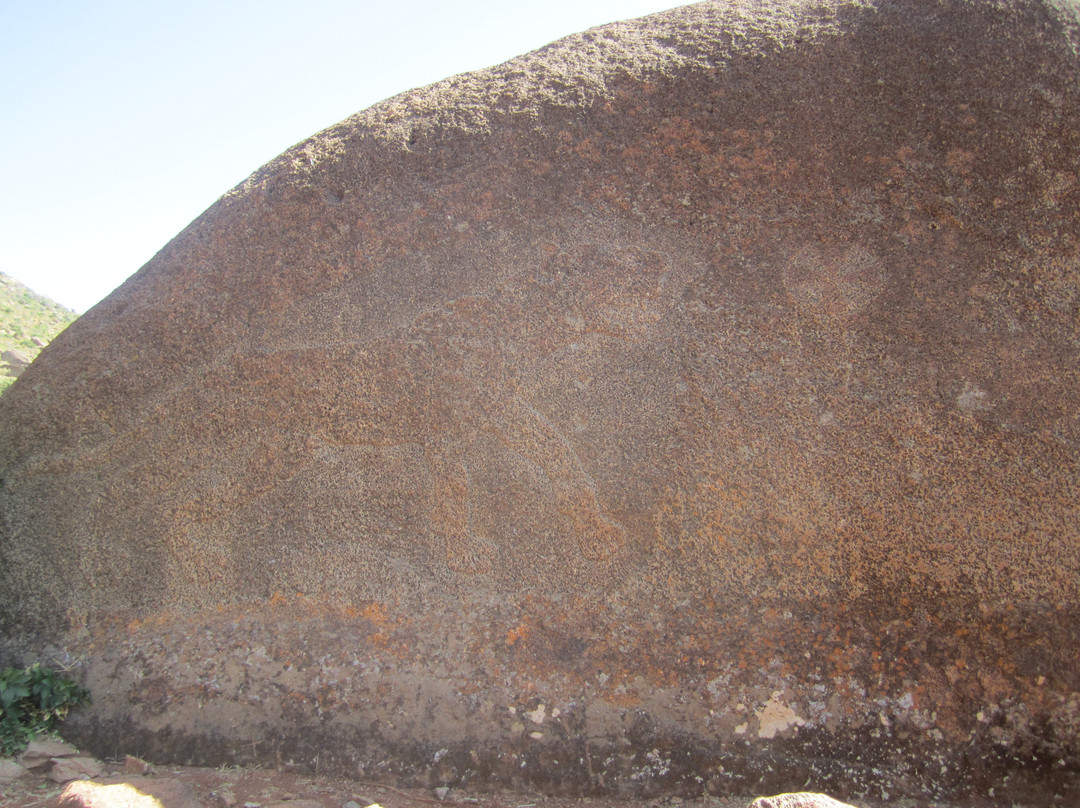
<point>447,382</point>
<point>833,284</point>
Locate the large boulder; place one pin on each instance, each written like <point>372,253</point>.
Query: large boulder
<point>690,405</point>
<point>15,362</point>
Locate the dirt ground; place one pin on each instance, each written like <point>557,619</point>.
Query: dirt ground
<point>248,787</point>
<point>235,787</point>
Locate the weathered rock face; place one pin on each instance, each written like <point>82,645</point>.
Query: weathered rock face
<point>689,405</point>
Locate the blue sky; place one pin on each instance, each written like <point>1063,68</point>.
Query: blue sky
<point>122,121</point>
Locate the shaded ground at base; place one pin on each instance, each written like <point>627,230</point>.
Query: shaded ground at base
<point>239,787</point>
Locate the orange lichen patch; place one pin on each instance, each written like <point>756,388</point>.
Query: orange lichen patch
<point>587,149</point>
<point>377,613</point>
<point>625,700</point>
<point>681,135</point>
<point>520,632</point>
<point>960,160</point>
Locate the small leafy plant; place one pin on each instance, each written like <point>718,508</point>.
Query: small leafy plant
<point>32,701</point>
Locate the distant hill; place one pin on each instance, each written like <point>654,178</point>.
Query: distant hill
<point>28,322</point>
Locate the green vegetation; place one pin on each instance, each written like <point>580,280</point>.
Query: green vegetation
<point>27,322</point>
<point>33,701</point>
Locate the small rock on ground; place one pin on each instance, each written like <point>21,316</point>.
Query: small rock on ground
<point>40,753</point>
<point>134,765</point>
<point>10,770</point>
<point>75,768</point>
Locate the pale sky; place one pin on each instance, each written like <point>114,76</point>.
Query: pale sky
<point>122,120</point>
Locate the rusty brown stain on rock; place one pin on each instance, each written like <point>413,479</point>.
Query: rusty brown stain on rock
<point>688,406</point>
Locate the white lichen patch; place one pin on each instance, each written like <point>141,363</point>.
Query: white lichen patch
<point>538,715</point>
<point>972,399</point>
<point>775,717</point>
<point>656,765</point>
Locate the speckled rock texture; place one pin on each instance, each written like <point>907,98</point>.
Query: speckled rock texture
<point>689,406</point>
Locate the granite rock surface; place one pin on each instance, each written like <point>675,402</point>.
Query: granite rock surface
<point>688,406</point>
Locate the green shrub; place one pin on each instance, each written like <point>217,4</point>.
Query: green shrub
<point>32,701</point>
